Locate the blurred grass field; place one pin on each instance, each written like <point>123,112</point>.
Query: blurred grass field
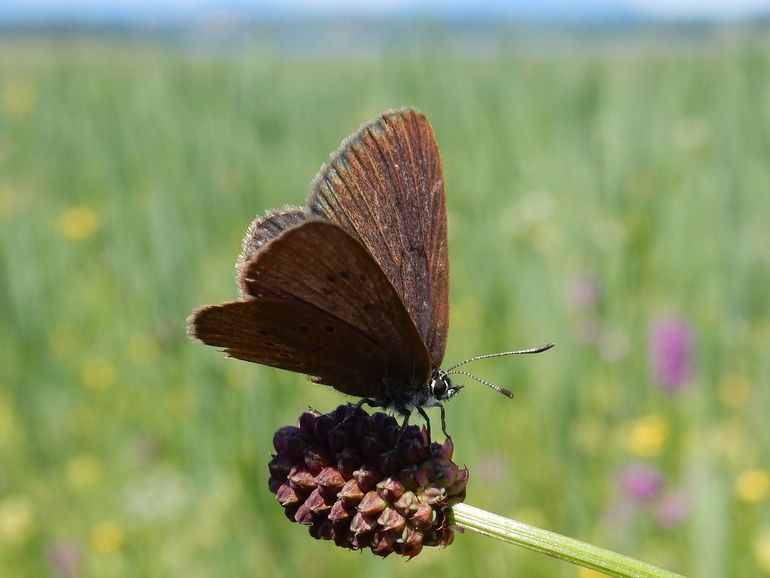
<point>588,197</point>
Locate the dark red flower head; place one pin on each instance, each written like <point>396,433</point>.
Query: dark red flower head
<point>363,481</point>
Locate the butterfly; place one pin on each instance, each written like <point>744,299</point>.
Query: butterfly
<point>353,289</point>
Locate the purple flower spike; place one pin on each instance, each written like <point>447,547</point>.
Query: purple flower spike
<point>671,352</point>
<point>672,509</point>
<point>641,482</point>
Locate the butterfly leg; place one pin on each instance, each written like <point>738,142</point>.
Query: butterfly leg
<point>443,420</point>
<point>403,428</point>
<point>424,415</point>
<point>359,404</point>
<point>362,402</point>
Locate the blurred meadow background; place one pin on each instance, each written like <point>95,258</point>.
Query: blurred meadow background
<point>608,189</point>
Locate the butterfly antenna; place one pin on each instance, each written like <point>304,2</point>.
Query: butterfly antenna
<point>539,349</point>
<point>494,386</point>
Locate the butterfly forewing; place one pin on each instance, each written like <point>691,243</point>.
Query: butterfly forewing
<point>384,186</point>
<point>320,305</point>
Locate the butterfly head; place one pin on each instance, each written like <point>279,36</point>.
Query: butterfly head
<point>441,386</point>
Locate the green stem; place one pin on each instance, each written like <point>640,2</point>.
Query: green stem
<point>555,545</point>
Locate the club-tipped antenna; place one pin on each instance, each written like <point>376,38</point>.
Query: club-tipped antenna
<point>539,349</point>
<point>494,386</point>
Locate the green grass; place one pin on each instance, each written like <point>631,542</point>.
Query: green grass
<point>147,452</point>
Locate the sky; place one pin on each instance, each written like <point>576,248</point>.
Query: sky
<point>700,8</point>
<point>666,9</point>
<point>663,8</point>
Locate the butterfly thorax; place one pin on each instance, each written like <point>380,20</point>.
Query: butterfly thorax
<point>438,389</point>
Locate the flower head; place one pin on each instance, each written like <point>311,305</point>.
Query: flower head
<point>672,510</point>
<point>648,435</point>
<point>671,352</point>
<point>363,481</point>
<point>641,482</point>
<point>753,485</point>
<point>78,223</point>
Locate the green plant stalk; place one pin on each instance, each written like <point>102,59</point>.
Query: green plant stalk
<point>555,545</point>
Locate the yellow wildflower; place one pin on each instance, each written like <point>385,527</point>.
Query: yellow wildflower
<point>648,435</point>
<point>16,519</point>
<point>98,373</point>
<point>78,223</point>
<point>106,537</point>
<point>753,485</point>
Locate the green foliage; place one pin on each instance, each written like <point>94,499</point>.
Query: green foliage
<point>128,173</point>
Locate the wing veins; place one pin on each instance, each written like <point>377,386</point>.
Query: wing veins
<point>382,236</point>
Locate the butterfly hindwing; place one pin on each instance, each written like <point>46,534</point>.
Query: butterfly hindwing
<point>320,305</point>
<point>263,229</point>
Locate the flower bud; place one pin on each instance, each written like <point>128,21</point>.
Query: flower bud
<point>362,481</point>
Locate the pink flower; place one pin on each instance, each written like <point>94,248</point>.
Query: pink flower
<point>672,509</point>
<point>671,345</point>
<point>641,482</point>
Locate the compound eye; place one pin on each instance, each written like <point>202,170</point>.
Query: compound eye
<point>439,388</point>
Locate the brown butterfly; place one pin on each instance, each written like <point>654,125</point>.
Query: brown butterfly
<point>353,289</point>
